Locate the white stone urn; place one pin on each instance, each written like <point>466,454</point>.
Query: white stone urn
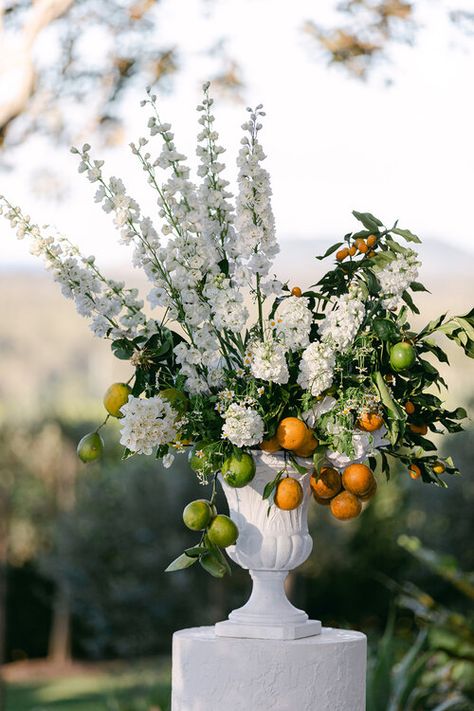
<point>270,544</point>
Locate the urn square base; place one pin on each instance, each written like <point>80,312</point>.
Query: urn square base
<point>229,628</point>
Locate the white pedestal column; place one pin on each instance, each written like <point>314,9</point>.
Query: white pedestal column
<point>325,672</point>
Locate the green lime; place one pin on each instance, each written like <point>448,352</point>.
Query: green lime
<point>238,472</point>
<point>198,514</point>
<point>402,356</point>
<point>198,462</point>
<point>176,398</point>
<point>116,397</point>
<point>90,447</point>
<point>223,532</point>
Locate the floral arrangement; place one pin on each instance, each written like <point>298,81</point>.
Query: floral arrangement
<point>227,360</point>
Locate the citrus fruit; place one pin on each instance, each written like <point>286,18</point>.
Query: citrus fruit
<point>196,462</point>
<point>371,492</point>
<point>418,429</point>
<point>288,494</point>
<point>371,254</point>
<point>238,472</point>
<point>409,407</point>
<point>291,433</point>
<point>370,421</point>
<point>353,250</point>
<point>176,398</point>
<point>345,506</point>
<point>402,356</point>
<point>296,291</point>
<point>270,445</point>
<point>319,500</point>
<point>371,240</point>
<point>357,479</point>
<point>90,447</point>
<point>327,484</point>
<point>116,396</point>
<point>439,467</point>
<point>361,246</point>
<point>342,254</point>
<point>198,514</point>
<point>308,446</point>
<point>223,532</point>
<point>414,471</point>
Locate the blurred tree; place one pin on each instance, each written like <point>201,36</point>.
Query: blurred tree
<point>365,31</point>
<point>113,549</point>
<point>38,469</point>
<point>59,54</point>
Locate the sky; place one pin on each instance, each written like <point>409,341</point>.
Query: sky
<point>334,144</point>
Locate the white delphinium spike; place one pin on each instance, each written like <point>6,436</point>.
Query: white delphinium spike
<point>317,368</point>
<point>114,311</point>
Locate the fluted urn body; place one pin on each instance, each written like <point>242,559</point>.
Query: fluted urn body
<point>270,544</point>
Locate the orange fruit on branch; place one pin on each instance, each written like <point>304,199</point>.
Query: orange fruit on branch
<point>361,246</point>
<point>414,471</point>
<point>345,506</point>
<point>292,433</point>
<point>327,484</point>
<point>371,240</point>
<point>270,445</point>
<point>370,421</point>
<point>409,407</point>
<point>372,491</point>
<point>357,479</point>
<point>288,494</point>
<point>353,250</point>
<point>308,447</point>
<point>439,467</point>
<point>296,291</point>
<point>319,500</point>
<point>418,429</point>
<point>342,254</point>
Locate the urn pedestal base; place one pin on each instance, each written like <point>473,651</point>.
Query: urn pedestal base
<point>325,672</point>
<point>268,614</point>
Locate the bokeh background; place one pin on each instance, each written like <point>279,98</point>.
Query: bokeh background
<point>369,107</point>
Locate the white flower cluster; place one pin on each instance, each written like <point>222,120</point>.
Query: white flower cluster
<point>292,321</point>
<point>341,325</point>
<point>364,444</point>
<point>256,244</point>
<point>317,368</point>
<point>267,361</point>
<point>243,426</point>
<point>148,423</point>
<point>397,276</point>
<point>113,310</point>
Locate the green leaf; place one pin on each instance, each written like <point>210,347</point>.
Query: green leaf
<point>212,564</point>
<point>416,286</point>
<point>432,326</point>
<point>180,563</point>
<point>369,221</point>
<point>406,234</point>
<point>331,250</point>
<point>123,349</point>
<point>385,329</point>
<point>196,551</point>
<point>410,303</point>
<point>396,416</point>
<point>271,485</point>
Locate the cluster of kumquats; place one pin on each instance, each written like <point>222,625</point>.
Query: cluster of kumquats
<point>360,246</point>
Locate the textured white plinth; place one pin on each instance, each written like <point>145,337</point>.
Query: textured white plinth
<point>321,673</point>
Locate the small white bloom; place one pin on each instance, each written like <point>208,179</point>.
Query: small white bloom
<point>317,368</point>
<point>268,361</point>
<point>243,426</point>
<point>148,423</point>
<point>396,277</point>
<point>293,321</point>
<point>168,460</point>
<point>341,325</point>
